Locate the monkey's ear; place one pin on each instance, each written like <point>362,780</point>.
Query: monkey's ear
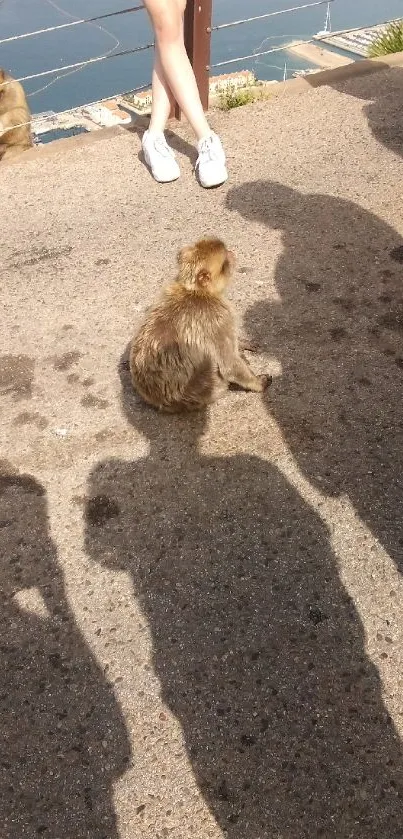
<point>203,278</point>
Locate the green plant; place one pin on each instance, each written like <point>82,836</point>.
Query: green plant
<point>235,97</point>
<point>390,40</point>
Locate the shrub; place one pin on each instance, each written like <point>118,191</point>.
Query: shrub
<point>390,40</point>
<point>234,97</point>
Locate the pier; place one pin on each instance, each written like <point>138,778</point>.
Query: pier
<point>355,41</point>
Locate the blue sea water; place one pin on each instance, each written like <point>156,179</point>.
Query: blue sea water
<point>57,49</point>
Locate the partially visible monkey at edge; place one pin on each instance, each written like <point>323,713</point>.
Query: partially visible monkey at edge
<point>187,352</point>
<point>14,110</point>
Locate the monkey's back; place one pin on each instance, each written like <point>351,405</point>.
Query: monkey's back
<point>171,359</point>
<point>12,98</point>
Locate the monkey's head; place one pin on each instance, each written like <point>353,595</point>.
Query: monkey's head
<point>206,266</point>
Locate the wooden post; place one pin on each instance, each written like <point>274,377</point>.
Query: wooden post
<point>197,42</point>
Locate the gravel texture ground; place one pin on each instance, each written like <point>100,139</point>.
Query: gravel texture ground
<point>201,622</point>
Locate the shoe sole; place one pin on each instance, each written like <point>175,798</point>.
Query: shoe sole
<point>214,185</point>
<point>163,181</point>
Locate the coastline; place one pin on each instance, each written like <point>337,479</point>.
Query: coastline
<point>323,58</point>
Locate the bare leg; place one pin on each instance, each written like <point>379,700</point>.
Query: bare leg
<point>172,59</point>
<point>157,154</point>
<point>162,98</point>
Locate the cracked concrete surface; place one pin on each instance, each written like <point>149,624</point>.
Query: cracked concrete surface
<point>201,619</point>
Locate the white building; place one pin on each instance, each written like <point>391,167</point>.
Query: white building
<point>106,114</point>
<point>142,100</point>
<point>243,78</point>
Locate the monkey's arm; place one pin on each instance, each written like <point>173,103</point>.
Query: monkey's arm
<point>241,374</point>
<point>235,369</point>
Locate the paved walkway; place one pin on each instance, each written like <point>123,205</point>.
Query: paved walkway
<point>201,620</point>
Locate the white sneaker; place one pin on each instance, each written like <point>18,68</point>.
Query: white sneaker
<point>211,162</point>
<point>160,157</point>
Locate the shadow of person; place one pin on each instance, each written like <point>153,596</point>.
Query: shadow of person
<point>63,736</point>
<point>337,332</point>
<point>383,108</point>
<point>258,648</point>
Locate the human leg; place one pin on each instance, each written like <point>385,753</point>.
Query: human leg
<point>173,72</point>
<point>158,155</point>
<point>167,20</point>
<point>162,97</point>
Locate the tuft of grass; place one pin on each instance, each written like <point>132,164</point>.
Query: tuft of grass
<point>234,97</point>
<point>389,41</point>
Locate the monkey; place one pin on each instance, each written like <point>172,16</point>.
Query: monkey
<point>14,110</point>
<point>187,352</point>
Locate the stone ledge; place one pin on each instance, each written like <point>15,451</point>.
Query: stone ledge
<point>64,144</point>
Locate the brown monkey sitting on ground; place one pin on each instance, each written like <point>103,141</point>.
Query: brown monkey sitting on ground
<point>13,111</point>
<point>186,352</point>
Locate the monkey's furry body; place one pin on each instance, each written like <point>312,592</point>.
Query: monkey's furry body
<point>14,111</point>
<point>186,351</point>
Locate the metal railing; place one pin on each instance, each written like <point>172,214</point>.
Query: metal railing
<point>66,69</point>
<point>200,15</point>
<point>198,31</point>
<point>78,22</point>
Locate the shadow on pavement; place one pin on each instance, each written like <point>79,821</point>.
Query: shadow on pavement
<point>258,647</point>
<point>383,107</point>
<point>338,334</point>
<point>64,740</point>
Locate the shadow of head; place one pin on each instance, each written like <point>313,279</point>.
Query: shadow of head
<point>320,229</point>
<point>173,435</point>
<point>382,93</point>
<point>58,707</point>
<point>268,202</point>
<point>24,532</point>
<point>337,261</point>
<point>337,274</point>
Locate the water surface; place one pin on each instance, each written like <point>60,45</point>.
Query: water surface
<point>57,49</point>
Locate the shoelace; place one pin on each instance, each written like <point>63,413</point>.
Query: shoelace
<point>206,150</point>
<point>161,145</point>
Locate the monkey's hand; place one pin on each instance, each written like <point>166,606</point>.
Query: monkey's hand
<point>266,381</point>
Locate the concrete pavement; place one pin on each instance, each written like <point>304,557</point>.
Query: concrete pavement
<point>201,619</point>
